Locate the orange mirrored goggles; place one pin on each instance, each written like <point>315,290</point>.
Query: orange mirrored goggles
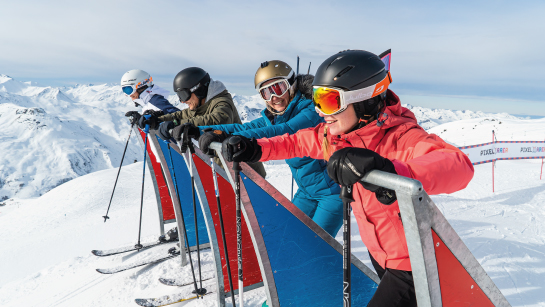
<point>330,101</point>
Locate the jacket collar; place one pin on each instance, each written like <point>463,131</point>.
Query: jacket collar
<point>371,134</point>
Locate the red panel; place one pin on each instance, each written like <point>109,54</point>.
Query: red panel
<point>457,287</point>
<point>250,266</point>
<point>166,201</point>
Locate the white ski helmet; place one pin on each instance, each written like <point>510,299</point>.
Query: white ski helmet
<point>135,79</point>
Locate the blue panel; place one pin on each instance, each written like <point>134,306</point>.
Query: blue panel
<point>306,269</point>
<point>183,178</point>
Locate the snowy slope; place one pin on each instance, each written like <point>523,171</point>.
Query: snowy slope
<point>504,230</point>
<point>52,135</point>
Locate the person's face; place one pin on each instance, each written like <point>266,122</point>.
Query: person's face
<point>134,95</point>
<point>192,102</point>
<point>279,104</point>
<point>342,122</point>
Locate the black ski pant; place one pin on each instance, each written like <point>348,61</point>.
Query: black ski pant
<point>396,288</point>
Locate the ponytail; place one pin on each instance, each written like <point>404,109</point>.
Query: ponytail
<point>325,145</point>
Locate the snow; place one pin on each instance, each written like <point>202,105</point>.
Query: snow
<point>50,224</point>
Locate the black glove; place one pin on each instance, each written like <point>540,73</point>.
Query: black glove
<point>348,165</point>
<point>134,116</point>
<point>211,136</point>
<point>187,128</point>
<point>163,130</point>
<point>247,150</point>
<point>153,120</point>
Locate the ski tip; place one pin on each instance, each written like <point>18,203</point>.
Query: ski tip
<point>96,252</point>
<point>167,281</point>
<point>103,271</point>
<point>143,302</point>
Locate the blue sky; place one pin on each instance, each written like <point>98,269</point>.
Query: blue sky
<point>490,49</point>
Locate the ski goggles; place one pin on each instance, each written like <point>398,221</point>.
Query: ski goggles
<point>277,88</point>
<point>128,89</point>
<point>330,101</point>
<point>185,93</point>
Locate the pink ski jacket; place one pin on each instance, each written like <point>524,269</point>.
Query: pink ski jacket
<point>440,167</point>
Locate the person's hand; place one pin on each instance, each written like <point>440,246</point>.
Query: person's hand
<point>153,120</point>
<point>241,149</point>
<point>164,130</point>
<point>134,116</point>
<point>211,136</point>
<point>348,165</point>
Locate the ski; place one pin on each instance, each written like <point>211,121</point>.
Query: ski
<point>177,283</point>
<point>120,250</point>
<point>166,300</point>
<point>173,252</point>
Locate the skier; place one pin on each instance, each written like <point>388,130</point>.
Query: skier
<point>138,85</point>
<point>289,108</point>
<point>209,103</point>
<point>367,128</point>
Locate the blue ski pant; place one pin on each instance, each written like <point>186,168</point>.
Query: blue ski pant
<point>326,211</point>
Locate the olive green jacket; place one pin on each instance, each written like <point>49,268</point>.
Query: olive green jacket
<point>218,109</point>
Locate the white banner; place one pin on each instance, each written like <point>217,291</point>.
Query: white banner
<point>504,150</point>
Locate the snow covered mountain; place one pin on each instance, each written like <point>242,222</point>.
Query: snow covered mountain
<point>52,135</point>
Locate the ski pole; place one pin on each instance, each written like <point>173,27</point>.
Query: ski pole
<point>292,178</point>
<point>308,71</point>
<point>146,130</point>
<point>118,171</point>
<point>346,196</point>
<point>218,149</point>
<point>235,143</point>
<point>292,181</point>
<point>189,145</point>
<point>197,290</point>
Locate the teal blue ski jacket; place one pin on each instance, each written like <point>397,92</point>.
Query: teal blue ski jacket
<point>310,174</point>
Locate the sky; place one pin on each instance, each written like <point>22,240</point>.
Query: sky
<point>470,49</point>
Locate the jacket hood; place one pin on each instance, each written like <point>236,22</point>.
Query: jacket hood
<point>154,90</point>
<point>304,85</point>
<point>391,116</point>
<point>214,88</point>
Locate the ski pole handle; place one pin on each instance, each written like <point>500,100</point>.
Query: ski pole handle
<point>215,146</point>
<point>146,129</point>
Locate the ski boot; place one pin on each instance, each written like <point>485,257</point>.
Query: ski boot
<point>170,236</point>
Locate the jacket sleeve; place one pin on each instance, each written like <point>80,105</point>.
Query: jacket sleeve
<point>305,119</point>
<point>221,113</point>
<point>163,104</point>
<point>439,166</point>
<point>304,143</point>
<point>176,115</point>
<point>232,128</point>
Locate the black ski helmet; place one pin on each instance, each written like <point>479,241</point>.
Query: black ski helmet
<point>191,80</point>
<point>353,70</point>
